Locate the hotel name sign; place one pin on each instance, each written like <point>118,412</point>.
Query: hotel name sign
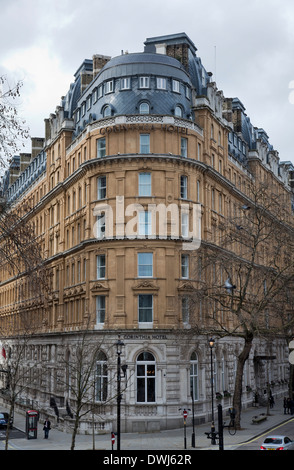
<point>143,127</point>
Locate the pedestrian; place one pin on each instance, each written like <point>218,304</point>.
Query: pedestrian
<point>272,401</point>
<point>288,406</point>
<point>285,406</point>
<point>46,428</point>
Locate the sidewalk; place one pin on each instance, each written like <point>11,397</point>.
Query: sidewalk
<point>172,440</point>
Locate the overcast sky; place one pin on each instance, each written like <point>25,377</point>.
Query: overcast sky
<point>247,44</point>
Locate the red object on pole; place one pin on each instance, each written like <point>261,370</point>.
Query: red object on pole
<point>112,438</point>
<point>185,414</point>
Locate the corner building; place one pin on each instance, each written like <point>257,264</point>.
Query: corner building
<point>136,133</point>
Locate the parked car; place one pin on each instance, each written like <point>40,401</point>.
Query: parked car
<point>4,417</point>
<point>277,443</point>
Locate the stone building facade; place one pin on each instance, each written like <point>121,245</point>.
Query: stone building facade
<point>135,135</point>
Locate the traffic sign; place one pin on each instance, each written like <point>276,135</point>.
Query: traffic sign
<point>185,414</point>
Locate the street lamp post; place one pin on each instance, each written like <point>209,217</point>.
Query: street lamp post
<point>211,345</point>
<point>119,345</point>
<point>193,420</point>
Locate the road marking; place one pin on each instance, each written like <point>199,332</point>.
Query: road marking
<point>265,433</point>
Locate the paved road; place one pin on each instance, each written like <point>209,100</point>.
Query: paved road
<point>286,429</point>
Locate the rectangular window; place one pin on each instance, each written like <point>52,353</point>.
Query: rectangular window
<point>145,308</point>
<point>101,268</point>
<point>184,147</point>
<point>184,187</point>
<point>144,143</point>
<point>145,184</point>
<point>185,224</point>
<point>145,264</point>
<point>101,148</point>
<point>145,223</point>
<point>176,86</point>
<point>144,82</point>
<point>101,187</point>
<point>100,226</point>
<point>161,83</point>
<point>100,309</point>
<point>100,91</point>
<point>185,266</point>
<point>89,100</point>
<point>125,83</point>
<point>108,87</point>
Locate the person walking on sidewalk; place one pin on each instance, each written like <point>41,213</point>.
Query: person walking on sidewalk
<point>46,428</point>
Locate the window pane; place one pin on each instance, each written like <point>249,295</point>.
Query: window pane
<point>101,267</point>
<point>100,308</point>
<point>101,148</point>
<point>141,390</point>
<point>144,108</point>
<point>150,390</point>
<point>144,143</point>
<point>184,146</point>
<point>145,308</point>
<point>145,264</point>
<point>144,184</point>
<point>102,187</point>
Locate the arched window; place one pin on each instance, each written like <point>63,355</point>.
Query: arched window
<point>194,377</point>
<point>106,111</point>
<point>144,108</point>
<point>178,111</point>
<point>101,377</point>
<point>146,377</point>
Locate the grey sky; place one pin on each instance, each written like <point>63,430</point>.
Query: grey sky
<point>248,45</point>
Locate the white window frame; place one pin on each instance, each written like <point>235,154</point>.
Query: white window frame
<point>144,143</point>
<point>145,264</point>
<point>149,322</point>
<point>125,83</point>
<point>176,86</point>
<point>185,266</point>
<point>108,87</point>
<point>184,186</point>
<point>101,147</point>
<point>184,147</point>
<point>161,83</point>
<point>144,184</point>
<point>101,187</point>
<point>144,82</point>
<point>100,309</point>
<point>100,266</point>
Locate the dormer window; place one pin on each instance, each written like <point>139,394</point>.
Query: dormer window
<point>176,86</point>
<point>108,88</point>
<point>144,108</point>
<point>106,111</point>
<point>161,83</point>
<point>125,83</point>
<point>144,82</point>
<point>178,111</point>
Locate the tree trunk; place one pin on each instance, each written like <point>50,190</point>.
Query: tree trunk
<point>237,398</point>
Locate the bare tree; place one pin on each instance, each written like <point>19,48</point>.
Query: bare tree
<point>13,132</point>
<point>22,263</point>
<point>247,275</point>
